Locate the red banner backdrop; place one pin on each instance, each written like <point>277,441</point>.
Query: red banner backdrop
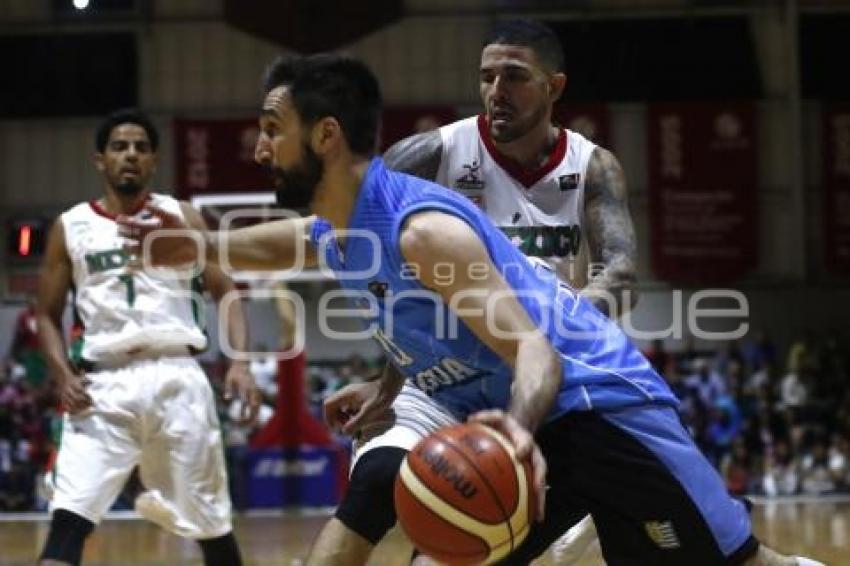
<point>702,187</point>
<point>400,122</point>
<point>590,120</point>
<point>836,182</point>
<point>216,156</point>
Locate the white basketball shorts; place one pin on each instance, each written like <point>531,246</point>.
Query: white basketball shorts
<point>159,414</point>
<point>413,416</point>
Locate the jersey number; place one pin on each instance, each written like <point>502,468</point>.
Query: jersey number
<point>131,288</point>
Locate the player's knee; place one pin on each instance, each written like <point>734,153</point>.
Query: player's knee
<point>67,536</point>
<point>368,508</point>
<point>378,468</point>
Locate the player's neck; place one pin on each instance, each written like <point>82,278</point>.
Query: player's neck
<point>533,149</point>
<point>116,203</point>
<point>338,190</point>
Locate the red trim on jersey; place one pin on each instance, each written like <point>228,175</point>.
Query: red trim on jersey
<point>519,172</point>
<point>95,206</point>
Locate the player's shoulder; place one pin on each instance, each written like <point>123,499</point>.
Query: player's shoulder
<point>463,123</point>
<point>463,127</point>
<point>578,139</point>
<point>81,207</point>
<point>170,204</point>
<point>164,200</point>
<point>81,211</point>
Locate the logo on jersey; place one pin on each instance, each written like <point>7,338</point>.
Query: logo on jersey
<point>378,288</point>
<point>470,181</point>
<point>448,372</point>
<point>569,182</point>
<point>98,262</point>
<point>545,241</point>
<point>663,534</point>
<point>455,476</point>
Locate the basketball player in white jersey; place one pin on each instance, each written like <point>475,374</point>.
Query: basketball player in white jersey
<point>133,393</point>
<point>560,197</point>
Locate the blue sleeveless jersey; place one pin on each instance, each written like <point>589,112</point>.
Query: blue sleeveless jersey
<point>434,349</point>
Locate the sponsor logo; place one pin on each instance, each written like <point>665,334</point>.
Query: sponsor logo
<point>545,241</point>
<point>378,288</point>
<point>279,467</point>
<point>662,534</point>
<point>470,181</point>
<point>441,468</point>
<point>569,182</point>
<point>104,261</point>
<point>448,372</point>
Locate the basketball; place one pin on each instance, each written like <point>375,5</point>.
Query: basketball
<point>462,497</point>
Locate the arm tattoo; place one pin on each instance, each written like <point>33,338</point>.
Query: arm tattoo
<point>610,235</point>
<point>418,155</point>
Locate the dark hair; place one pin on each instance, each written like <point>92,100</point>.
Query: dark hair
<point>125,116</point>
<point>327,84</point>
<point>532,34</point>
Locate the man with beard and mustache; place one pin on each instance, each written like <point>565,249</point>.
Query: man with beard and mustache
<point>528,356</point>
<point>559,197</point>
<point>133,394</point>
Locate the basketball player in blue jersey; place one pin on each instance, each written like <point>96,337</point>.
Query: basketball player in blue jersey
<point>473,323</point>
<point>558,195</point>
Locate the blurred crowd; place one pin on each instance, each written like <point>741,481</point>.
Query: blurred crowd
<point>773,422</point>
<point>30,420</point>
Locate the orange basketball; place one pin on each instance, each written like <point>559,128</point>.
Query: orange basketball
<point>462,497</point>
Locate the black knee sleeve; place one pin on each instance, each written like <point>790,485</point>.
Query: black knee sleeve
<point>221,551</point>
<point>368,507</point>
<point>68,533</point>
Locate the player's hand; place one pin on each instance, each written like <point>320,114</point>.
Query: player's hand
<point>239,384</point>
<point>171,242</point>
<point>355,406</point>
<point>524,446</point>
<point>73,394</point>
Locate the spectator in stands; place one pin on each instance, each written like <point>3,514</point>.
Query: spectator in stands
<point>794,391</point>
<point>781,471</point>
<point>759,352</point>
<point>816,478</point>
<point>728,354</point>
<point>26,349</point>
<point>802,353</point>
<point>708,384</point>
<point>839,461</point>
<point>736,468</point>
<point>687,357</point>
<point>723,428</point>
<point>763,377</point>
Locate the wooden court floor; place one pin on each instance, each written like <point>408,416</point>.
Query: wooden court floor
<point>817,529</point>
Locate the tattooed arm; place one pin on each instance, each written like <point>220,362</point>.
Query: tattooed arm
<point>418,155</point>
<point>610,236</point>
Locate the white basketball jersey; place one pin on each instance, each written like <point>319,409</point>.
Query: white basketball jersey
<point>125,312</point>
<point>542,210</point>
